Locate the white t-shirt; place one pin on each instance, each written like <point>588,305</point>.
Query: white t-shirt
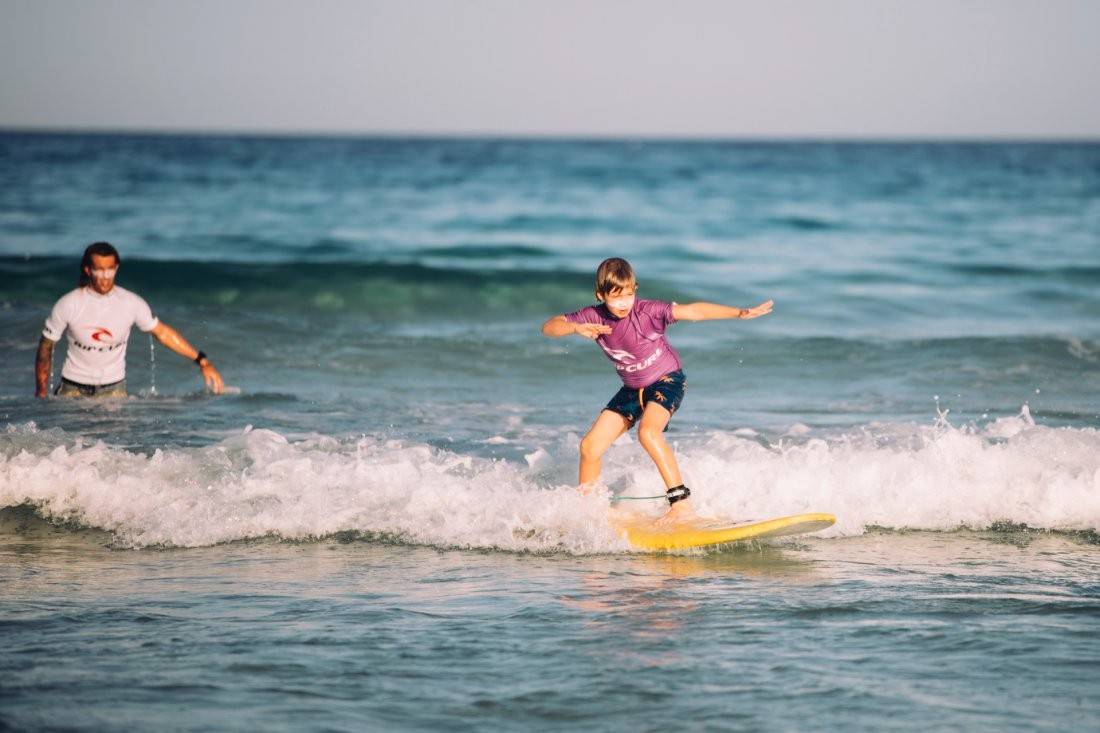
<point>99,327</point>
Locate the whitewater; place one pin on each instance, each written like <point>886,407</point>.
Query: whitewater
<point>259,483</point>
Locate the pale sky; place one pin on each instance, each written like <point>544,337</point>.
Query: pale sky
<point>773,68</point>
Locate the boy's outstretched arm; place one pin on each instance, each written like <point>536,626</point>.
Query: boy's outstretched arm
<point>714,311</point>
<point>558,326</point>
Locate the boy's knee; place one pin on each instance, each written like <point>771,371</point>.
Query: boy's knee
<point>649,434</point>
<point>590,448</point>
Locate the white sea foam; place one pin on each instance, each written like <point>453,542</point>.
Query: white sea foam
<point>258,483</point>
<point>898,476</point>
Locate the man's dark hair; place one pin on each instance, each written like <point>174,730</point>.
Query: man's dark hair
<point>102,249</point>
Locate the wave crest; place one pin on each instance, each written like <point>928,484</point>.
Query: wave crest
<point>258,483</point>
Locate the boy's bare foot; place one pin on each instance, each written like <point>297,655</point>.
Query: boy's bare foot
<point>681,511</point>
<point>589,488</point>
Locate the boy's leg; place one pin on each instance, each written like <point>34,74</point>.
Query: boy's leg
<point>605,431</point>
<point>651,435</point>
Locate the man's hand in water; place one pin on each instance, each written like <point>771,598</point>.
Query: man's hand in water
<point>755,312</point>
<point>592,330</point>
<point>213,380</point>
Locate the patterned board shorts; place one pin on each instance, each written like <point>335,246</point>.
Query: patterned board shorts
<point>667,391</point>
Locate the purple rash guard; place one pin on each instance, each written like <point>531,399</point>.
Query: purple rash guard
<point>636,345</point>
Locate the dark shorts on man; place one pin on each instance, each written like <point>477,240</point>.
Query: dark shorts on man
<point>69,388</point>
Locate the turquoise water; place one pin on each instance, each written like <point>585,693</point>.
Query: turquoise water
<point>375,527</point>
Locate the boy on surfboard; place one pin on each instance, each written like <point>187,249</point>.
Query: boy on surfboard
<point>632,334</point>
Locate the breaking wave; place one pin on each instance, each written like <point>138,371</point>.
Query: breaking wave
<point>259,483</point>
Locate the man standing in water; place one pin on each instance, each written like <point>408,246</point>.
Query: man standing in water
<point>98,316</point>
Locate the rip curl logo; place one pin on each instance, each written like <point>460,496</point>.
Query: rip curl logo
<point>89,347</point>
<point>639,366</point>
<point>618,354</point>
<point>101,339</point>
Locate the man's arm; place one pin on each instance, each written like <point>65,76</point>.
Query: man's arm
<point>43,365</point>
<point>714,311</point>
<point>559,326</point>
<point>172,338</point>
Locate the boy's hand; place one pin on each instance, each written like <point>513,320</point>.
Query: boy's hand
<point>591,330</point>
<point>755,312</point>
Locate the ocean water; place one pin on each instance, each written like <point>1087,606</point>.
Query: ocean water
<point>376,528</point>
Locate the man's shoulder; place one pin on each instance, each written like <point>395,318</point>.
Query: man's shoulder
<point>69,298</point>
<point>120,292</point>
<point>127,296</point>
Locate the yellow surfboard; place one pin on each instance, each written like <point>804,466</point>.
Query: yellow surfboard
<point>647,535</point>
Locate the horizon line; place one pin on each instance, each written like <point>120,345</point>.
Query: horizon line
<point>677,137</point>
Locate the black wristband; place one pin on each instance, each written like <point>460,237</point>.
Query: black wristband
<point>199,358</point>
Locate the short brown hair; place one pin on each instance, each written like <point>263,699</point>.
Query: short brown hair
<point>613,274</point>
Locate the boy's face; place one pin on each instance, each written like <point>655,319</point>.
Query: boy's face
<point>620,300</point>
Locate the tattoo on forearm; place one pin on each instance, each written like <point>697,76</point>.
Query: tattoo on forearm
<point>43,363</point>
